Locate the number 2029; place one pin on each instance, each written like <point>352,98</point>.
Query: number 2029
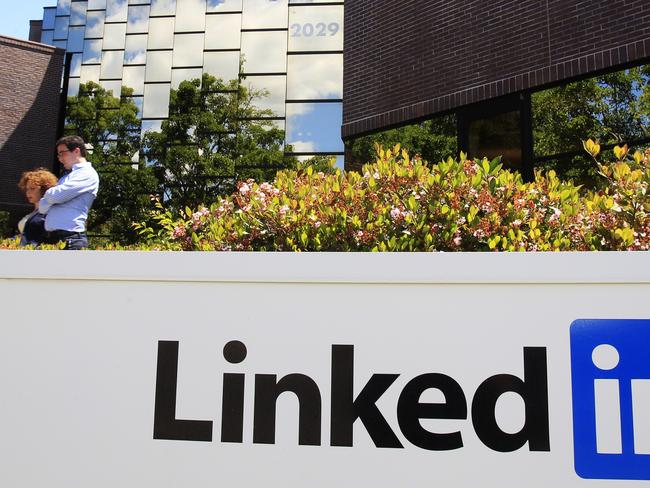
<point>320,30</point>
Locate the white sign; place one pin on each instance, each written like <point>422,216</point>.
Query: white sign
<point>320,370</point>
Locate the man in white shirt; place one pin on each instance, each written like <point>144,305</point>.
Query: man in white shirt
<point>67,204</point>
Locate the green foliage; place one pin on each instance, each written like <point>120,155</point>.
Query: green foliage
<point>611,108</point>
<point>112,126</point>
<point>4,223</point>
<point>214,136</point>
<point>433,140</point>
<point>402,204</point>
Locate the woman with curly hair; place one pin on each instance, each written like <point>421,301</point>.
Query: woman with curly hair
<point>34,184</point>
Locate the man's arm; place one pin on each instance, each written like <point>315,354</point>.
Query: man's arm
<point>77,183</point>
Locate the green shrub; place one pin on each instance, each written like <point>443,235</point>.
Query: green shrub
<point>402,204</point>
<point>4,223</point>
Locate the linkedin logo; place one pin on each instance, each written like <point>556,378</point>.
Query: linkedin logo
<point>610,368</point>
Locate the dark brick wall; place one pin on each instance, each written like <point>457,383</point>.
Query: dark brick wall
<point>413,58</point>
<point>30,83</point>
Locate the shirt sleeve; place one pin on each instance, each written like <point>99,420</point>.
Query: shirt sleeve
<point>77,183</point>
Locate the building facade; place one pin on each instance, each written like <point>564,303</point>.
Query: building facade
<point>407,61</point>
<point>292,49</point>
<point>29,110</point>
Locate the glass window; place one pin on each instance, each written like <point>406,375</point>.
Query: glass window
<point>116,11</point>
<point>159,66</point>
<point>156,101</point>
<point>224,65</point>
<point>49,17</point>
<point>163,7</point>
<point>95,25</point>
<point>270,92</point>
<point>47,37</point>
<point>138,19</point>
<point>190,15</point>
<point>136,49</point>
<point>61,27</point>
<point>222,31</point>
<point>315,76</point>
<point>76,39</point>
<point>75,65</point>
<point>92,51</point>
<point>161,33</point>
<point>112,64</point>
<point>316,28</point>
<point>224,5</point>
<point>188,50</point>
<point>63,7</point>
<point>133,77</point>
<point>73,87</point>
<point>90,73</point>
<point>96,4</point>
<point>314,127</point>
<point>262,14</point>
<point>114,87</point>
<point>151,126</point>
<point>264,52</point>
<point>114,36</point>
<point>78,13</point>
<point>499,135</point>
<point>179,75</point>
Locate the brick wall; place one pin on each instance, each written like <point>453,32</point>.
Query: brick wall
<point>414,58</point>
<point>30,77</point>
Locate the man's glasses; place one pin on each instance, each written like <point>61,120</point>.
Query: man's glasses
<point>60,153</point>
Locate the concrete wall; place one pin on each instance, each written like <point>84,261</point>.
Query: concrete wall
<point>411,59</point>
<point>29,107</point>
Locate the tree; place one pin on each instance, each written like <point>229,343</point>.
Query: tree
<point>112,126</point>
<point>433,139</point>
<point>214,136</point>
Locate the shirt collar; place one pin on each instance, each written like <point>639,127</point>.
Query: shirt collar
<point>82,164</point>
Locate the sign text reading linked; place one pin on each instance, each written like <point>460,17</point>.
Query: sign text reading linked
<point>346,409</point>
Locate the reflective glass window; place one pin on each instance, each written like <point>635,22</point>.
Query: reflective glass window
<point>316,28</point>
<point>161,33</point>
<point>73,87</point>
<point>96,4</point>
<point>78,13</point>
<point>90,73</point>
<point>92,51</point>
<point>179,75</point>
<point>76,39</point>
<point>224,65</point>
<point>264,52</point>
<point>222,31</point>
<point>75,65</point>
<point>262,14</point>
<point>133,77</point>
<point>159,66</point>
<point>114,36</point>
<point>163,7</point>
<point>156,101</point>
<point>47,37</point>
<point>315,76</point>
<point>115,87</point>
<point>49,17</point>
<point>63,44</point>
<point>63,7</point>
<point>314,127</point>
<point>61,27</point>
<point>151,126</point>
<point>271,91</point>
<point>190,15</point>
<point>116,10</point>
<point>188,50</point>
<point>136,49</point>
<point>112,64</point>
<point>224,5</point>
<point>138,19</point>
<point>95,25</point>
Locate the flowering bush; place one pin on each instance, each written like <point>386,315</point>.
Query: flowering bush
<point>400,203</point>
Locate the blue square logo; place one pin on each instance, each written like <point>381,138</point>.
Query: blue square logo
<point>610,376</point>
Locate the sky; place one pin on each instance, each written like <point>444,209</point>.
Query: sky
<point>14,21</point>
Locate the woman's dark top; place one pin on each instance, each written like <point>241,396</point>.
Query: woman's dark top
<point>34,233</point>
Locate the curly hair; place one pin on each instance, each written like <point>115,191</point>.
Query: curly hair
<point>40,176</point>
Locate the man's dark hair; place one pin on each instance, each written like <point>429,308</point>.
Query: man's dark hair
<point>72,143</point>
